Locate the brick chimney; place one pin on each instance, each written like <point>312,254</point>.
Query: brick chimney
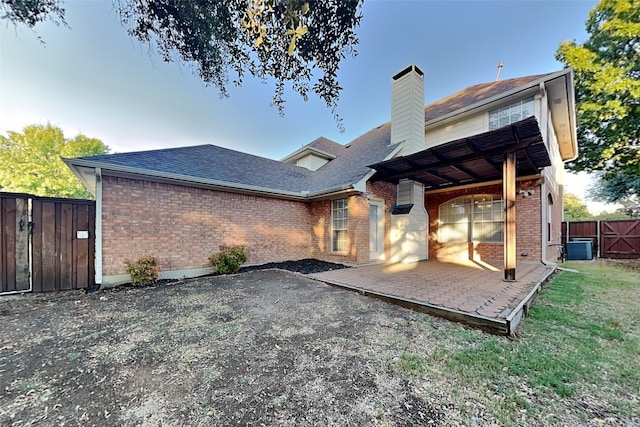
<point>409,227</point>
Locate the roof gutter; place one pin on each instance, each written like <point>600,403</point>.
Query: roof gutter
<point>330,192</point>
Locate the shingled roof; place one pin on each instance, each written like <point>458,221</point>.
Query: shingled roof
<point>210,164</point>
<point>205,164</point>
<point>475,94</point>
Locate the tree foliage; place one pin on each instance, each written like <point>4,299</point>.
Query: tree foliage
<point>621,189</point>
<point>607,72</point>
<point>283,40</point>
<point>630,207</point>
<point>31,161</point>
<point>616,188</point>
<point>32,12</point>
<point>574,208</point>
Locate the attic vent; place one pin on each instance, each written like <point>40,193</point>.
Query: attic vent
<point>401,209</point>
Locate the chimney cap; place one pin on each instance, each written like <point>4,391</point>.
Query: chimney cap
<point>407,70</point>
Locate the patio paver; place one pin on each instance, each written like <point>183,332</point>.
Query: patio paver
<point>471,292</point>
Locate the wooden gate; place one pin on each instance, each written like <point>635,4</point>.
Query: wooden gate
<point>14,243</point>
<point>620,239</point>
<point>47,244</point>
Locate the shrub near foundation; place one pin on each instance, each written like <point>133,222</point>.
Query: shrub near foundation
<point>229,259</point>
<point>144,271</point>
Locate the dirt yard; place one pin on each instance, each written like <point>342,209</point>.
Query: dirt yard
<point>258,348</point>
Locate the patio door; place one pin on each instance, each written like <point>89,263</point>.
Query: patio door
<point>376,230</point>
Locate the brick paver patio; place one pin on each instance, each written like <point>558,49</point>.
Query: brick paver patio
<point>469,291</point>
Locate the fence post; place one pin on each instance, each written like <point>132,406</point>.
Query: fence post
<point>599,237</point>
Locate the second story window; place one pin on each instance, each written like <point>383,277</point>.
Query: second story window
<point>510,114</point>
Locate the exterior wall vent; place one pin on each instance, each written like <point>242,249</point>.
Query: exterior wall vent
<point>401,209</point>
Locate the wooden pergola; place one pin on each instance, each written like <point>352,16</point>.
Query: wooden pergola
<point>502,154</point>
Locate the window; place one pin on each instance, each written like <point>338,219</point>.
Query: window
<point>510,114</point>
<point>476,218</point>
<point>339,216</point>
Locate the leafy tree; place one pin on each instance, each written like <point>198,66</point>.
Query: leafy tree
<point>283,40</point>
<point>607,71</point>
<point>30,162</point>
<point>630,207</point>
<point>621,189</point>
<point>31,12</point>
<point>574,208</point>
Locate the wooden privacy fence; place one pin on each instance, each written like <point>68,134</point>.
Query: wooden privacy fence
<point>611,239</point>
<point>47,244</point>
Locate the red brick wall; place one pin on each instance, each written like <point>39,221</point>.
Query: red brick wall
<point>357,237</point>
<point>528,223</point>
<point>182,226</point>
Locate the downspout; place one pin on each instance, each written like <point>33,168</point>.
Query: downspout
<point>541,106</point>
<point>544,225</point>
<point>98,246</point>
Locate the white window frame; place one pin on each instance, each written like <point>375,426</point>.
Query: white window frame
<point>339,225</point>
<point>465,215</point>
<point>511,113</point>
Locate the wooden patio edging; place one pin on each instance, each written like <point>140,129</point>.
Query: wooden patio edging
<point>505,327</point>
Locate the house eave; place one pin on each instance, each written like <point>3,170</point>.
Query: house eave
<point>531,86</point>
<point>361,185</point>
<point>535,86</point>
<point>167,177</point>
<point>77,165</point>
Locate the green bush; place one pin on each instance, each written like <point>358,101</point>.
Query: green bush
<point>143,271</point>
<point>229,259</point>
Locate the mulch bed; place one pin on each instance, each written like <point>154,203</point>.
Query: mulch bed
<point>304,266</point>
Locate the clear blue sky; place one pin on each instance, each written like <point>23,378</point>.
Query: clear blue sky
<point>95,79</point>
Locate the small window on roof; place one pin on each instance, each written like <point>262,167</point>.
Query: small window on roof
<point>515,112</point>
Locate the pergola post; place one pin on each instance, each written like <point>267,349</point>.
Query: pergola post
<point>509,198</point>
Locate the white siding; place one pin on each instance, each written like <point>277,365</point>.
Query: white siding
<point>470,125</point>
<point>311,162</point>
<point>409,232</point>
<point>555,173</point>
<point>407,112</point>
<point>405,192</point>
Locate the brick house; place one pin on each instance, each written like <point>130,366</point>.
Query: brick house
<point>439,181</point>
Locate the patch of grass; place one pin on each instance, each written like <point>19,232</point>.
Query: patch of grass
<point>279,400</point>
<point>581,338</point>
<point>29,385</point>
<point>411,364</point>
<point>74,356</point>
<point>97,334</point>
